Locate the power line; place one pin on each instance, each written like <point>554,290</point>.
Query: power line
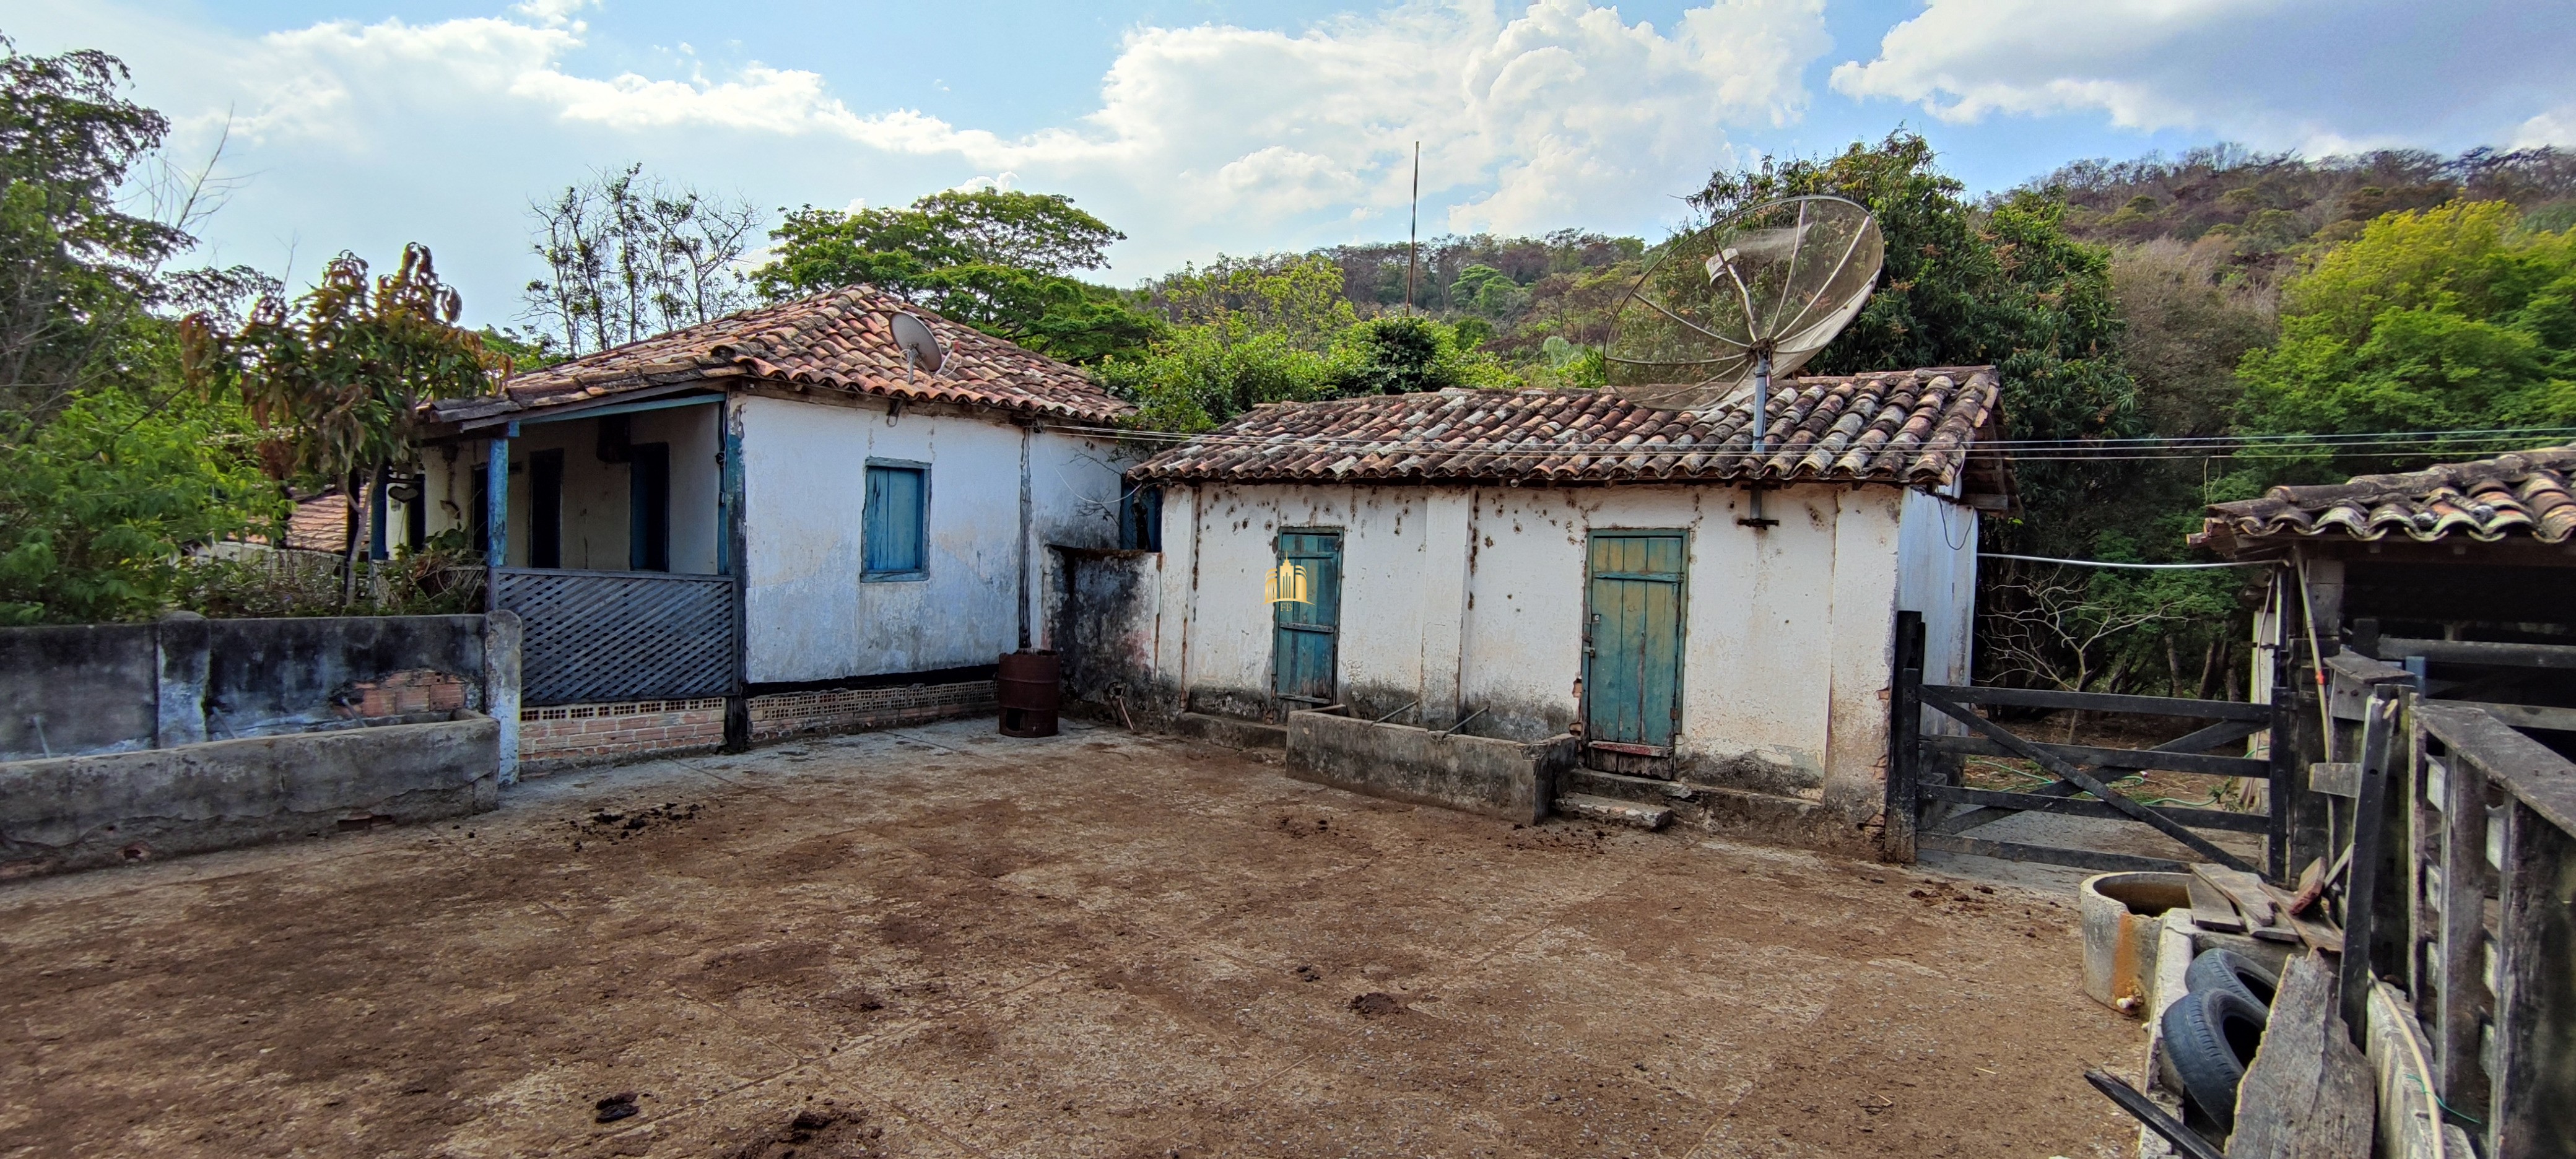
<point>2137,566</point>
<point>2024,450</point>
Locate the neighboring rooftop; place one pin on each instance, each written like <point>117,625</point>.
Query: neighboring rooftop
<point>838,340</point>
<point>2518,496</point>
<point>1911,428</point>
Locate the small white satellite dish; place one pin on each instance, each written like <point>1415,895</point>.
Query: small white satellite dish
<point>1754,295</point>
<point>920,347</point>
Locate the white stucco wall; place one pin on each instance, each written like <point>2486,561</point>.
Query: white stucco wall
<point>1937,561</point>
<point>807,614</point>
<point>1472,599</point>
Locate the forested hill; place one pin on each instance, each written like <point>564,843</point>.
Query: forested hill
<point>2260,212</point>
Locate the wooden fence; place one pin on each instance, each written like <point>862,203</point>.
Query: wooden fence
<point>2461,893</point>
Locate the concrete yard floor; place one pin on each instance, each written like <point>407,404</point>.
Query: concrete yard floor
<point>938,941</point>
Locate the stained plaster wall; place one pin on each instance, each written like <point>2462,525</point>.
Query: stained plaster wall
<point>1469,599</point>
<point>808,614</point>
<point>1936,551</point>
<point>597,515</point>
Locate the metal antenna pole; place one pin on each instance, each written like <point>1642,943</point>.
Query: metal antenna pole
<point>1761,438</point>
<point>1762,402</point>
<point>1413,231</point>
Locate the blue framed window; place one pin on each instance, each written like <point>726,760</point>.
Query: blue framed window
<point>894,540</point>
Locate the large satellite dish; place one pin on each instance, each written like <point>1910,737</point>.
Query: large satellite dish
<point>1755,295</point>
<point>920,347</point>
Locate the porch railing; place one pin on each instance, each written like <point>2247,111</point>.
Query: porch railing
<point>600,636</point>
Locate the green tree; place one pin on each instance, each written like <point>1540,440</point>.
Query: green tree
<point>99,505</point>
<point>998,260</point>
<point>1241,333</point>
<point>76,269</point>
<point>2453,318</point>
<point>1403,355</point>
<point>110,471</point>
<point>335,381</point>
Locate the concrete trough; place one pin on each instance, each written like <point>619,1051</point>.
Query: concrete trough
<point>1513,780</point>
<point>81,812</point>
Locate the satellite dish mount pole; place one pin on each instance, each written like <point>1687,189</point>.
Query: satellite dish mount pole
<point>1761,438</point>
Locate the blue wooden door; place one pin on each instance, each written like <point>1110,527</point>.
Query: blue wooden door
<point>1633,642</point>
<point>1306,635</point>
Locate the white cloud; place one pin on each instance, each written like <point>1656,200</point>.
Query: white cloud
<point>1526,117</point>
<point>2315,75</point>
<point>2555,127</point>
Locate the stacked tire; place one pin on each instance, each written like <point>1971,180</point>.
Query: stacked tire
<point>2213,1030</point>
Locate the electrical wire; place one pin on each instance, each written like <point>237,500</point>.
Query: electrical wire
<point>2138,566</point>
<point>2020,450</point>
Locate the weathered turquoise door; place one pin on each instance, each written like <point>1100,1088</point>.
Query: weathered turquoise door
<point>1307,635</point>
<point>1632,678</point>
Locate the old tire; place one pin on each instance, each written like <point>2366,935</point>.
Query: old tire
<point>2209,1039</point>
<point>2224,969</point>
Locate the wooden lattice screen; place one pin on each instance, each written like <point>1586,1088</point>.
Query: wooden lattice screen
<point>595,636</point>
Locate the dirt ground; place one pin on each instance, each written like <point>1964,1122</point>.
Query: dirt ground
<point>938,941</point>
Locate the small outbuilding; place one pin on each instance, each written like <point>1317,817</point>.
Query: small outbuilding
<point>2461,572</point>
<point>1690,615</point>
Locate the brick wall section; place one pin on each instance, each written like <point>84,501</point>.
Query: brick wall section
<point>789,714</point>
<point>570,735</point>
<point>567,735</point>
<point>404,693</point>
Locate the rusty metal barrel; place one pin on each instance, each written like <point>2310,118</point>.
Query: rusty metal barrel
<point>1029,688</point>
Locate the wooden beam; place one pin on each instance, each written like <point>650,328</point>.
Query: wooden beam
<point>2048,854</point>
<point>2535,1098</point>
<point>2309,1094</point>
<point>2103,758</point>
<point>2482,652</point>
<point>2069,806</point>
<point>2102,702</point>
<point>2531,770</point>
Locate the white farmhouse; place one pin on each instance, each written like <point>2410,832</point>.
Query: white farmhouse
<point>769,523</point>
<point>1693,621</point>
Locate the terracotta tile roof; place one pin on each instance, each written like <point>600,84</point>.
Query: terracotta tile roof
<point>2488,500</point>
<point>838,340</point>
<point>320,523</point>
<point>1907,427</point>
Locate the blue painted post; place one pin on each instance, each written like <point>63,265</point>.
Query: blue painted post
<point>496,500</point>
<point>733,559</point>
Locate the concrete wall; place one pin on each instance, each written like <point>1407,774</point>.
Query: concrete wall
<point>91,688</point>
<point>131,687</point>
<point>811,618</point>
<point>1509,779</point>
<point>1474,598</point>
<point>83,812</point>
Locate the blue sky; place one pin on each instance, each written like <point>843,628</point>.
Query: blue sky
<point>1200,126</point>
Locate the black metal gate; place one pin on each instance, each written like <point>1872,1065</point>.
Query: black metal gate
<point>606,636</point>
<point>1930,807</point>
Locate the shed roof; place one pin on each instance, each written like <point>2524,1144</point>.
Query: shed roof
<point>2520,495</point>
<point>836,340</point>
<point>1912,428</point>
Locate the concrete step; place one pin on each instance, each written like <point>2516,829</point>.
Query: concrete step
<point>1610,811</point>
<point>1230,732</point>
